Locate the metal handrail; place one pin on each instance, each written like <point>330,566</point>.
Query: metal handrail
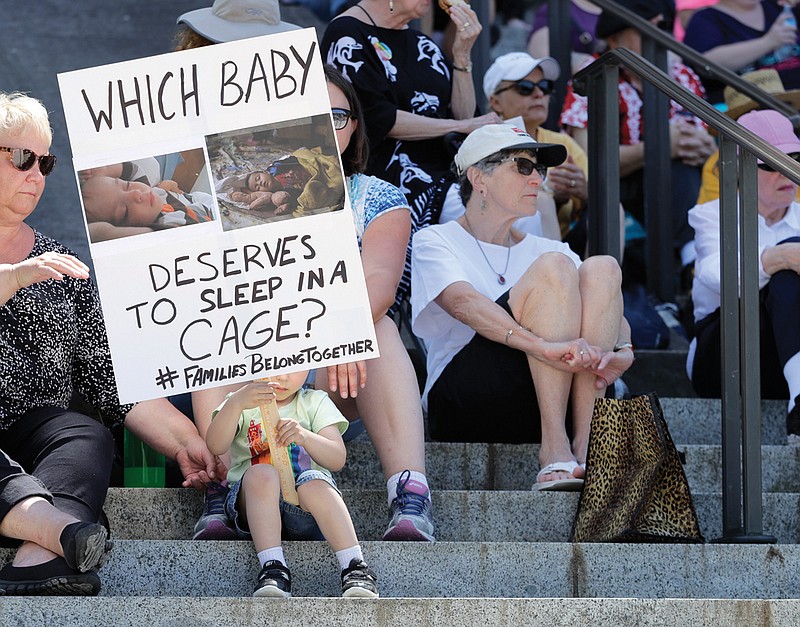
<point>655,43</point>
<point>741,385</point>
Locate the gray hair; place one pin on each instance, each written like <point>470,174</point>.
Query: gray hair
<point>20,114</point>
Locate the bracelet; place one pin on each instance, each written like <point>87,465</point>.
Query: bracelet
<point>510,332</point>
<point>622,346</point>
<point>467,69</point>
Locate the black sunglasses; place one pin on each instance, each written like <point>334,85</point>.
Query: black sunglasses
<point>341,117</point>
<point>23,159</point>
<point>768,168</point>
<point>525,88</point>
<point>525,166</point>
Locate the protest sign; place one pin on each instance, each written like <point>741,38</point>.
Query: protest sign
<point>215,206</point>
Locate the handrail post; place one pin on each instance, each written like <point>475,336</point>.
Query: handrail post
<point>657,180</point>
<point>603,131</point>
<point>560,23</point>
<point>729,328</point>
<point>749,347</point>
<point>741,377</point>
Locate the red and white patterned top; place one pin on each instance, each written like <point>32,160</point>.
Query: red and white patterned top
<point>575,111</point>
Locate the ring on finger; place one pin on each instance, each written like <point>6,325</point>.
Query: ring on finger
<point>572,183</point>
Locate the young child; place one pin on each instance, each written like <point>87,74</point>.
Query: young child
<point>311,426</point>
<point>117,207</point>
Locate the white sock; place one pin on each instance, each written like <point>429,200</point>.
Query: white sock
<point>345,556</point>
<point>391,484</point>
<point>267,555</point>
<point>791,372</point>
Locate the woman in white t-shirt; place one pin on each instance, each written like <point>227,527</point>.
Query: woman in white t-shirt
<point>517,327</point>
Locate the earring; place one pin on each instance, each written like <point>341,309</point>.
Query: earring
<point>391,6</point>
<point>483,202</point>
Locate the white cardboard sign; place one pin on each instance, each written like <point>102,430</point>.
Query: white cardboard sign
<point>215,205</point>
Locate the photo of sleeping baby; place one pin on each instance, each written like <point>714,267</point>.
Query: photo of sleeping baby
<point>146,195</point>
<point>276,172</point>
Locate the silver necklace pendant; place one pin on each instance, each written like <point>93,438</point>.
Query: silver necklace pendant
<point>501,279</point>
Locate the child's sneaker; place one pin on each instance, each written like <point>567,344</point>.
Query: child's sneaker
<point>410,516</point>
<point>213,524</point>
<point>274,581</point>
<point>359,581</point>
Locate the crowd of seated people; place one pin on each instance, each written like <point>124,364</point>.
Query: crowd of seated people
<point>503,299</point>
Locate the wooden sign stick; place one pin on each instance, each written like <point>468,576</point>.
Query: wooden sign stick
<point>278,454</point>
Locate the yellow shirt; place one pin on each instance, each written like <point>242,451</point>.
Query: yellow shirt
<point>568,211</point>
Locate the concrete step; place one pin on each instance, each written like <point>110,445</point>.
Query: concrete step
<point>465,569</point>
<point>472,466</point>
<point>660,371</point>
<point>395,612</point>
<point>461,516</point>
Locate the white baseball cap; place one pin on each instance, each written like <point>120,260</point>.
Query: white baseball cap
<point>231,20</point>
<point>515,66</point>
<point>493,138</point>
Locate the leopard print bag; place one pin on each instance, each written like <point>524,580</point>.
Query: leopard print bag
<point>635,488</point>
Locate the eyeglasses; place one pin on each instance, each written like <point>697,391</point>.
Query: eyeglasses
<point>525,166</point>
<point>765,167</point>
<point>23,159</point>
<point>525,88</point>
<point>341,117</point>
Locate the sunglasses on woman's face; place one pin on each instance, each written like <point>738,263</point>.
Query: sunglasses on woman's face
<point>768,168</point>
<point>525,166</point>
<point>525,88</point>
<point>23,159</point>
<point>341,117</point>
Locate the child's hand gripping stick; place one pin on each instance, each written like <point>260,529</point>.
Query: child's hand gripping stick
<point>278,454</point>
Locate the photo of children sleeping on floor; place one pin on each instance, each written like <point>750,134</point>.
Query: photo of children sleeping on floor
<point>146,195</point>
<point>276,172</point>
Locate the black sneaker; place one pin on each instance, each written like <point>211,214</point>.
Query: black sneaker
<point>86,545</point>
<point>359,581</point>
<point>274,581</point>
<point>53,578</point>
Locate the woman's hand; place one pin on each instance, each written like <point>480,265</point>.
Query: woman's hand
<point>347,378</point>
<point>567,180</point>
<point>612,366</point>
<point>781,33</point>
<point>289,431</point>
<point>572,356</point>
<point>198,465</point>
<point>49,265</point>
<point>467,28</point>
<point>472,124</point>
